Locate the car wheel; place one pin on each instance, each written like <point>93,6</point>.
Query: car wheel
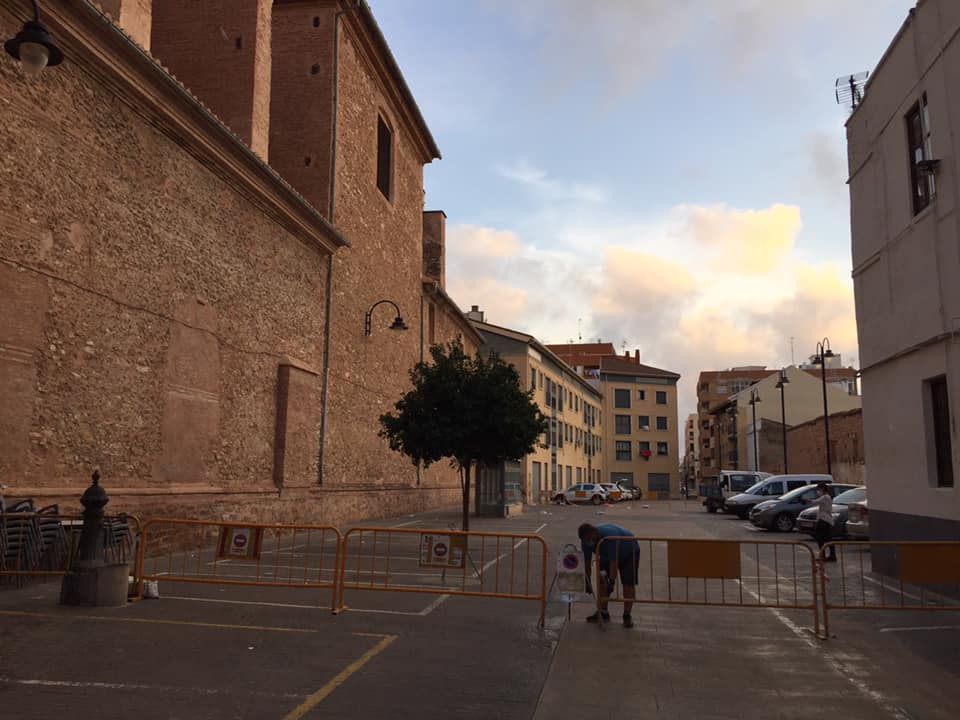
<point>711,508</point>
<point>783,523</point>
<point>596,500</point>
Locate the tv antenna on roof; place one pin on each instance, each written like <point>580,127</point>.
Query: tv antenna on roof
<point>580,330</point>
<point>848,89</point>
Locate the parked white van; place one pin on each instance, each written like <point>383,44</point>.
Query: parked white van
<point>773,487</point>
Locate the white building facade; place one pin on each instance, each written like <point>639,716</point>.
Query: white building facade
<point>904,196</point>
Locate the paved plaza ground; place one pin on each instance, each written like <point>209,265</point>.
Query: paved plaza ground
<point>221,651</point>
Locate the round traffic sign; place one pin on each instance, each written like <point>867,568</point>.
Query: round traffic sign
<point>440,550</point>
<point>239,541</point>
<point>571,561</point>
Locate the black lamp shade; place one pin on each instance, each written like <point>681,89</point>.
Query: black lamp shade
<point>398,324</point>
<point>34,32</point>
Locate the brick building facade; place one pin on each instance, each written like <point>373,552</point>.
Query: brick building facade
<point>806,446</point>
<point>187,317</point>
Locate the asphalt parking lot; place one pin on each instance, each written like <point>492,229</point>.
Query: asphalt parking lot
<point>223,651</point>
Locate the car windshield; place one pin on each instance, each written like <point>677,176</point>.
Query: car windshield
<point>851,496</point>
<point>754,489</point>
<point>793,494</point>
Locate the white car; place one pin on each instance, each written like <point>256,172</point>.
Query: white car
<point>615,493</point>
<point>585,493</point>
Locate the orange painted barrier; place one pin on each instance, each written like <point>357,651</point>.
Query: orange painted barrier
<point>723,573</point>
<point>243,554</point>
<point>920,576</point>
<point>444,562</point>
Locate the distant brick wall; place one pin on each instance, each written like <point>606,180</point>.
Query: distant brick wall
<point>806,447</point>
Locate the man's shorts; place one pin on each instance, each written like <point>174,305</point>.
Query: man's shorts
<point>628,566</point>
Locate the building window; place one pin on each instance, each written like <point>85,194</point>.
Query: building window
<point>691,447</point>
<point>705,424</point>
<point>644,422</point>
<point>706,442</point>
<point>533,375</point>
<point>641,394</point>
<point>644,446</point>
<point>621,398</point>
<point>923,188</point>
<point>432,324</point>
<point>540,379</point>
<point>941,426</point>
<point>621,424</point>
<point>704,405</point>
<point>569,475</point>
<point>623,450</point>
<point>704,387</point>
<point>662,448</point>
<point>579,475</point>
<point>661,423</point>
<point>658,482</point>
<point>384,158</point>
<point>661,397</point>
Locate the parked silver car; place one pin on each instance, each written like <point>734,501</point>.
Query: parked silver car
<point>842,503</point>
<point>781,514</point>
<point>858,521</point>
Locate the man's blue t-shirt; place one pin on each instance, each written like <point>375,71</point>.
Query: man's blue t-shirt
<point>611,550</point>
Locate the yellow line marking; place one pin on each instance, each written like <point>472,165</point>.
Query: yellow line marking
<point>150,621</point>
<point>341,677</point>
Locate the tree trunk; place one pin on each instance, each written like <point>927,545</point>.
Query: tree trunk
<point>465,483</point>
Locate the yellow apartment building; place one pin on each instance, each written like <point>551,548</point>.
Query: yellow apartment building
<point>571,452</point>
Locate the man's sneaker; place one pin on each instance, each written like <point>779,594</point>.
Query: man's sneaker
<point>627,621</point>
<point>597,615</point>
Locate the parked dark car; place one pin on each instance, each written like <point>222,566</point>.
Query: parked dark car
<point>807,520</point>
<point>781,514</point>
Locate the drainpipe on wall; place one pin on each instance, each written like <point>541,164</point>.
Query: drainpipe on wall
<point>328,310</point>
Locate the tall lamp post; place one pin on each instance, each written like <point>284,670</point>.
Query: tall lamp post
<point>754,399</point>
<point>824,352</point>
<point>781,384</point>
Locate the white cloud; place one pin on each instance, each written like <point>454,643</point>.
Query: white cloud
<point>620,45</point>
<point>537,180</point>
<point>697,288</point>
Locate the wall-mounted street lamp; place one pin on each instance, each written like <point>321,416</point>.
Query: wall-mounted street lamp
<point>754,399</point>
<point>33,46</point>
<point>782,385</point>
<point>824,352</point>
<point>397,324</point>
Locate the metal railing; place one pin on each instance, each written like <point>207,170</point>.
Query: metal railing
<point>724,573</point>
<point>918,575</point>
<point>245,554</point>
<point>444,562</point>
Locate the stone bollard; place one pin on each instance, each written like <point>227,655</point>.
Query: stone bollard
<point>92,582</point>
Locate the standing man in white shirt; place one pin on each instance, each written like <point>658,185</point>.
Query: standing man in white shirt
<point>823,532</point>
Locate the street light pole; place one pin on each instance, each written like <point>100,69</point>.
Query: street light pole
<point>783,415</point>
<point>754,399</point>
<point>824,352</point>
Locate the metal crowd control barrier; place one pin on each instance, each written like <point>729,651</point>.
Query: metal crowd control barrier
<point>918,576</point>
<point>445,562</point>
<point>728,573</point>
<point>244,554</point>
<point>45,544</point>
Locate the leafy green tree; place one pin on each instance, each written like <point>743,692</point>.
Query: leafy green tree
<point>470,410</point>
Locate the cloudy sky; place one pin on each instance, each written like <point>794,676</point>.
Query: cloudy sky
<point>664,175</point>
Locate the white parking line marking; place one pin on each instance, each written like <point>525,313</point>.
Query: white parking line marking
<point>166,689</point>
<point>921,628</point>
<point>405,524</point>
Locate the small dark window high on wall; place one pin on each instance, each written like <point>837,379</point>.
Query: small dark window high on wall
<point>918,138</point>
<point>941,426</point>
<point>384,157</point>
